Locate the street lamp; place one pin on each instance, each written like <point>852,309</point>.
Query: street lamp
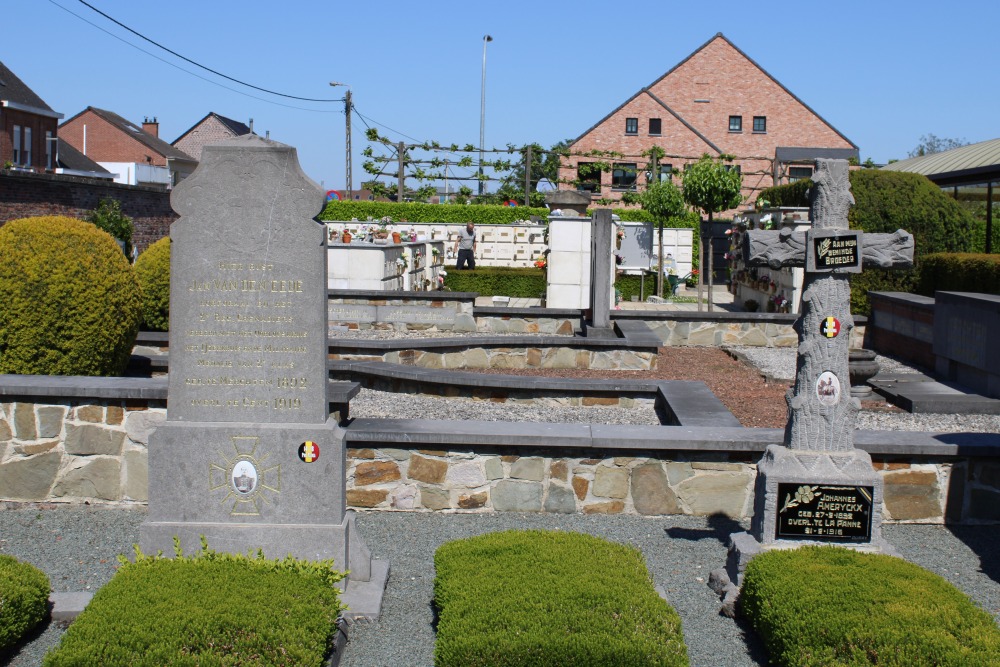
<point>482,116</point>
<point>347,145</point>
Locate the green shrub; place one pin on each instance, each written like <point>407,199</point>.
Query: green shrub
<point>959,272</point>
<point>207,609</point>
<point>478,213</point>
<point>550,598</point>
<point>884,202</point>
<point>24,599</point>
<point>528,283</point>
<point>70,301</point>
<point>152,268</point>
<point>108,216</point>
<point>834,606</point>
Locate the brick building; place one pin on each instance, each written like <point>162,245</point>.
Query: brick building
<point>716,101</point>
<point>136,155</point>
<point>211,129</point>
<point>27,125</point>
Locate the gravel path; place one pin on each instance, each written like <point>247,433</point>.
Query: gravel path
<point>77,546</point>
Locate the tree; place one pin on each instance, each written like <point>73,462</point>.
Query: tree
<point>109,217</point>
<point>663,201</point>
<point>544,164</point>
<point>931,143</point>
<point>712,186</point>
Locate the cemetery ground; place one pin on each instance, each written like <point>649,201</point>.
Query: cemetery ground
<point>77,546</point>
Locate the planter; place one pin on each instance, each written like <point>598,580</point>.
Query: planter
<point>345,237</point>
<point>396,238</point>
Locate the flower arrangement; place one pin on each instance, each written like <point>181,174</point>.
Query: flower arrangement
<point>619,259</point>
<point>540,263</point>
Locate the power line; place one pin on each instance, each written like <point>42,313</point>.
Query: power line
<point>196,64</point>
<point>194,74</point>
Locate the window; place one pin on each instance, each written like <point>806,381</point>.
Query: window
<point>654,126</point>
<point>589,177</point>
<point>736,123</point>
<point>666,172</point>
<point>631,126</point>
<point>760,124</point>
<point>17,144</point>
<point>48,150</point>
<point>623,176</point>
<point>799,173</point>
<point>733,167</point>
<point>26,153</point>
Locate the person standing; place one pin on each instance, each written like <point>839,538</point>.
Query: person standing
<point>465,247</point>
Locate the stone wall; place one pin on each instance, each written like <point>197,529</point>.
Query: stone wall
<point>76,451</point>
<point>389,311</point>
<point>470,356</point>
<point>95,451</point>
<point>679,331</point>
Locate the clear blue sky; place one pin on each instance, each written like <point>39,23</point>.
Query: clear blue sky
<point>883,72</point>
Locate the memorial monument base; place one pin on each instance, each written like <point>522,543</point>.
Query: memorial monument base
<point>806,498</point>
<point>274,487</point>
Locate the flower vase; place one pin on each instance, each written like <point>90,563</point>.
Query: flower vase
<point>345,237</point>
<point>396,238</point>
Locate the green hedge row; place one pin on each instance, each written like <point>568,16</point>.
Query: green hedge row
<point>414,212</point>
<point>528,283</point>
<point>545,598</point>
<point>24,599</point>
<point>960,272</point>
<point>884,202</point>
<point>208,609</point>
<point>833,606</point>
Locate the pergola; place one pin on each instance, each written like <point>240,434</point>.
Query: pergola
<point>972,166</point>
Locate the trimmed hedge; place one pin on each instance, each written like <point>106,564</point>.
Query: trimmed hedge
<point>152,268</point>
<point>959,272</point>
<point>550,598</point>
<point>834,606</point>
<point>70,304</point>
<point>528,283</point>
<point>207,609</point>
<point>884,202</point>
<point>24,599</point>
<point>478,213</point>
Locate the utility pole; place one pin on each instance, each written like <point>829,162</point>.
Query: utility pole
<point>400,149</point>
<point>482,117</point>
<point>348,106</point>
<point>527,176</point>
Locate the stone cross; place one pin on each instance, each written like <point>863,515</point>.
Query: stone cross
<point>819,436</point>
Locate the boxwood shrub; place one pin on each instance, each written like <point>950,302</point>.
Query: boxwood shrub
<point>71,302</point>
<point>24,599</point>
<point>153,271</point>
<point>550,598</point>
<point>519,282</point>
<point>480,214</point>
<point>960,272</point>
<point>207,609</point>
<point>834,606</point>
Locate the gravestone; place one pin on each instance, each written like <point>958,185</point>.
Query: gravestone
<point>817,487</point>
<point>249,456</point>
<point>602,275</point>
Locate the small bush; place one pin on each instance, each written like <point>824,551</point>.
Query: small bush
<point>550,598</point>
<point>480,214</point>
<point>208,609</point>
<point>835,606</point>
<point>24,599</point>
<point>959,272</point>
<point>152,268</point>
<point>528,283</point>
<point>109,217</point>
<point>70,303</point>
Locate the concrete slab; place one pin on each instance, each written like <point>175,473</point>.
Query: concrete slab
<point>67,606</point>
<point>920,394</point>
<point>364,598</point>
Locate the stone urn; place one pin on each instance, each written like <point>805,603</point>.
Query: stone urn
<point>862,367</point>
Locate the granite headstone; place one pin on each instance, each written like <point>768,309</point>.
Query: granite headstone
<point>248,455</point>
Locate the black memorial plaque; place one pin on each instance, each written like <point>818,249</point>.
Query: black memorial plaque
<point>824,512</point>
<point>834,251</point>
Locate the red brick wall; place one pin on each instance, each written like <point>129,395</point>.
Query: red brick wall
<point>28,195</point>
<point>210,132</point>
<point>734,86</point>
<point>106,143</point>
<point>39,126</point>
